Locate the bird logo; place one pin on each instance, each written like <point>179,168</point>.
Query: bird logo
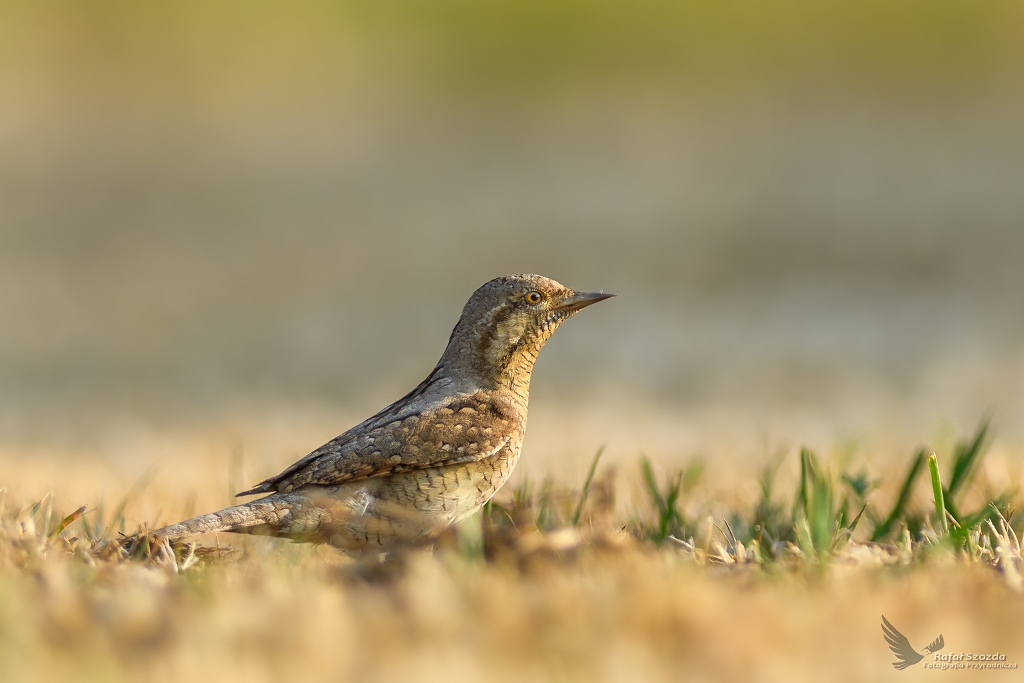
<point>901,647</point>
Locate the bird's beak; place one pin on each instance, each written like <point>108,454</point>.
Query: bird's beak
<point>582,300</point>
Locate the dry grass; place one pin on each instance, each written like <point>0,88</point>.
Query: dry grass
<point>661,579</point>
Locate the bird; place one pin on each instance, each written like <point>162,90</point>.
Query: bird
<point>433,457</point>
<point>901,647</point>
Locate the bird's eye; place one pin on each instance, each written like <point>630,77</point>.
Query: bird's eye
<point>533,297</point>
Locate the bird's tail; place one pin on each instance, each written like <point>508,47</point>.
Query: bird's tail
<point>261,516</point>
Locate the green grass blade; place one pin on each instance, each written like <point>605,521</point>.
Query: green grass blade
<point>586,486</point>
<point>652,485</point>
<point>820,516</point>
<point>883,529</point>
<point>669,513</point>
<point>941,525</point>
<point>691,475</point>
<point>66,522</point>
<point>801,501</point>
<point>856,520</point>
<point>967,456</point>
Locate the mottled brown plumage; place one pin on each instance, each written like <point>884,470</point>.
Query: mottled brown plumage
<point>434,456</point>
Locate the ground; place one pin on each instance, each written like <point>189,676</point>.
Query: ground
<point>663,577</point>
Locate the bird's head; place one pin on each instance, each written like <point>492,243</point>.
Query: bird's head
<point>506,322</point>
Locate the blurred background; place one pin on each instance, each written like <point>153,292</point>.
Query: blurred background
<point>812,213</point>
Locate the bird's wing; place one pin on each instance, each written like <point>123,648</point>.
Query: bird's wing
<point>466,428</point>
<point>900,646</point>
<point>936,644</point>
